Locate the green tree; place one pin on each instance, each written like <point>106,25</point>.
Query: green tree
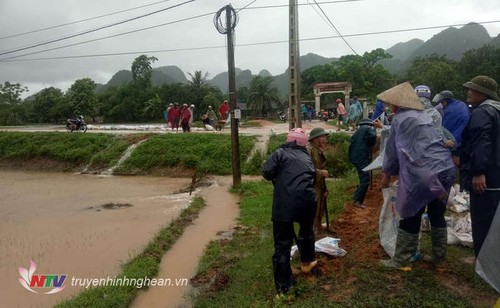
<point>435,71</point>
<point>261,95</point>
<point>10,93</point>
<point>153,108</point>
<point>82,97</point>
<point>142,70</point>
<point>44,105</point>
<point>482,61</point>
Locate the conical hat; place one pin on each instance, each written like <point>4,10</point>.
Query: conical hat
<point>402,96</point>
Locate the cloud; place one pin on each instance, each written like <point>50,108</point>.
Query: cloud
<point>261,34</point>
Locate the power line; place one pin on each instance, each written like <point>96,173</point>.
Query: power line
<point>345,41</point>
<point>107,37</point>
<point>156,26</point>
<point>301,4</point>
<point>82,20</point>
<point>249,44</point>
<point>94,30</point>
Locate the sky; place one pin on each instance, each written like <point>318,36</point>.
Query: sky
<point>182,33</point>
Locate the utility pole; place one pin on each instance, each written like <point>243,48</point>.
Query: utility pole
<point>231,21</point>
<point>294,107</point>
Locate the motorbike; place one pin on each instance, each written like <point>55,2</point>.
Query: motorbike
<point>77,125</point>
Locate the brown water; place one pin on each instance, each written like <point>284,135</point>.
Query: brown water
<point>57,220</point>
<point>181,261</point>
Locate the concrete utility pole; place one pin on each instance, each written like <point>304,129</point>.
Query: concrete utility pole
<point>294,110</point>
<point>231,21</point>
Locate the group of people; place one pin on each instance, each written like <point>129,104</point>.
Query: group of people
<point>426,145</point>
<point>179,116</point>
<point>350,118</point>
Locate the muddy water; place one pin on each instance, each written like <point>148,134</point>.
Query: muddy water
<point>57,220</point>
<point>180,262</point>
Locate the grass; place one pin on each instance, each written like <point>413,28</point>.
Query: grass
<point>246,260</point>
<point>146,264</point>
<point>204,153</point>
<point>246,263</point>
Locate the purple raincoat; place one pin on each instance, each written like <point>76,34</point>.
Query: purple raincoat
<point>416,153</point>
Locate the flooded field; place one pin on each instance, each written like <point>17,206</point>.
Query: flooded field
<point>81,226</point>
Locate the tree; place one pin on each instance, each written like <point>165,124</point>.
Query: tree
<point>44,105</point>
<point>142,70</point>
<point>482,61</point>
<point>82,97</point>
<point>262,94</point>
<point>10,93</point>
<point>198,80</point>
<point>436,72</point>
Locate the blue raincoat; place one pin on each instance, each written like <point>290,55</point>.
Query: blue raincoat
<point>455,118</point>
<point>416,153</point>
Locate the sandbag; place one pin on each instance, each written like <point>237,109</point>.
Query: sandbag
<point>389,221</point>
<point>488,260</point>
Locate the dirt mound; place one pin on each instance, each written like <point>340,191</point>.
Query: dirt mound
<point>358,230</point>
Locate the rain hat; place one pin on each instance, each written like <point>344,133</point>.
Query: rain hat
<point>317,132</point>
<point>402,96</point>
<point>483,84</point>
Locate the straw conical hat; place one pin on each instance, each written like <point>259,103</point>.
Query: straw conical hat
<point>402,96</point>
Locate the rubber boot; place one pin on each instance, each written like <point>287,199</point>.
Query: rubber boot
<point>439,239</point>
<point>406,246</point>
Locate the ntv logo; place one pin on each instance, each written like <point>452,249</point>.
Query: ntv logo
<point>28,280</point>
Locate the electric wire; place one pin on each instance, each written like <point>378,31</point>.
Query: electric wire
<point>81,20</point>
<point>94,30</point>
<point>250,44</point>
<point>345,41</point>
<point>107,37</point>
<point>156,26</point>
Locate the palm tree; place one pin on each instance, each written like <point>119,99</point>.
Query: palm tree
<point>198,80</point>
<point>261,94</point>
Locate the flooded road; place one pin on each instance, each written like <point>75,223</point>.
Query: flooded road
<point>59,222</point>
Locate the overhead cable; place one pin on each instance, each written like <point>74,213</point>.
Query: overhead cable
<point>81,20</point>
<point>248,44</point>
<point>94,30</point>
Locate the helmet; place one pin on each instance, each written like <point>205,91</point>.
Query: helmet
<point>423,91</point>
<point>298,135</point>
<point>338,101</point>
<point>192,106</point>
<point>317,132</point>
<point>80,117</point>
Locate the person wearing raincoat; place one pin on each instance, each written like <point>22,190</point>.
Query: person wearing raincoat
<point>480,156</point>
<point>292,173</point>
<point>416,153</point>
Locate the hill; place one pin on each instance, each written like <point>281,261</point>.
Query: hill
<point>451,42</point>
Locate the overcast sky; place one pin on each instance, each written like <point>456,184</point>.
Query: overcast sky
<point>195,44</point>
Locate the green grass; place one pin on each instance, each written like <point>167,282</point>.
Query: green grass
<point>246,262</point>
<point>207,153</point>
<point>73,149</point>
<point>204,153</point>
<point>146,264</point>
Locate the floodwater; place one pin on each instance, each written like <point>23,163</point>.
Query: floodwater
<point>180,262</point>
<point>58,221</point>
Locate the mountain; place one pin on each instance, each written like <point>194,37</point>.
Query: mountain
<point>453,42</point>
<point>172,71</point>
<point>403,51</point>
